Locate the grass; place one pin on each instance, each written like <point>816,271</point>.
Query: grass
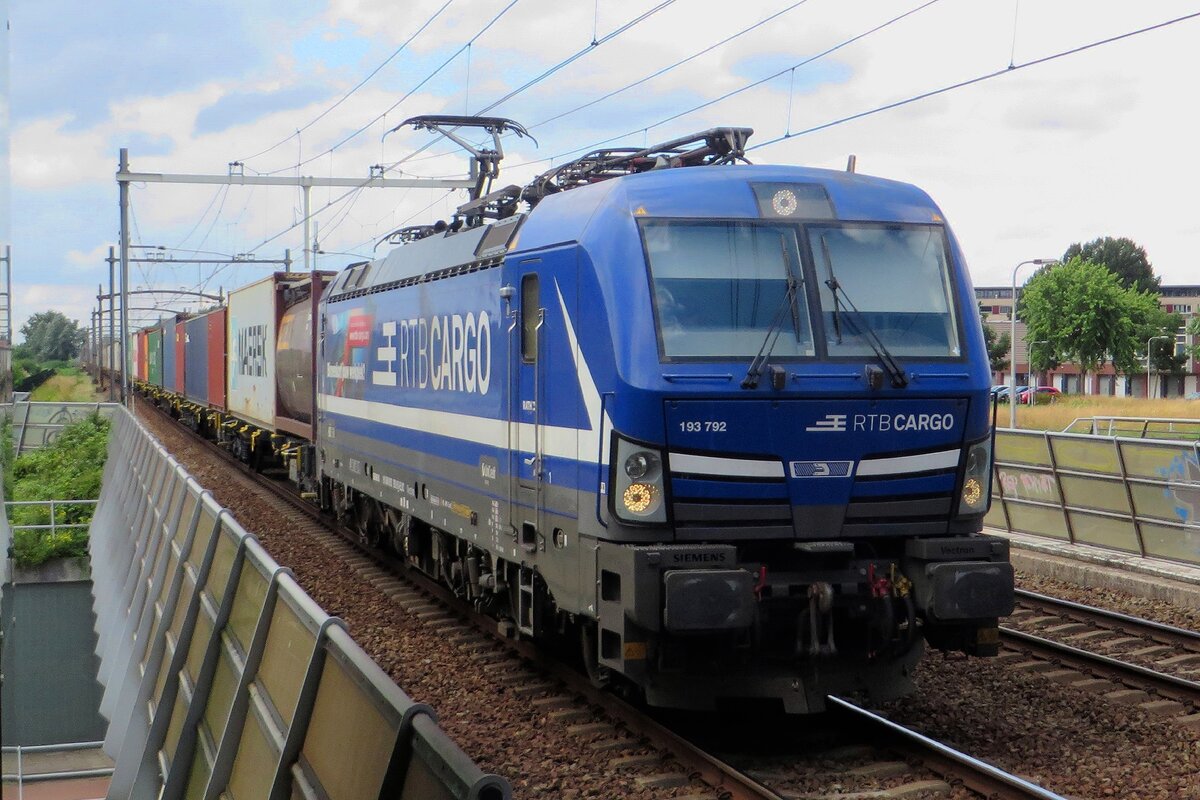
<point>70,385</point>
<point>69,468</point>
<point>1058,415</point>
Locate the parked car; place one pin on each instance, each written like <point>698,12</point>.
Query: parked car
<point>1001,392</point>
<point>1045,394</point>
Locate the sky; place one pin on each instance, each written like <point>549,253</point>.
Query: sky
<point>1095,143</point>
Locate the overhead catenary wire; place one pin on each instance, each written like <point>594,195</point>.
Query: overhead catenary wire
<point>200,220</point>
<point>977,79</point>
<point>591,46</point>
<point>356,86</point>
<point>528,84</point>
<point>841,120</point>
<point>664,70</point>
<point>577,55</point>
<point>359,131</point>
<point>644,129</point>
<point>645,79</point>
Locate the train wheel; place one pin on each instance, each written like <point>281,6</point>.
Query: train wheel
<point>398,526</point>
<point>368,521</point>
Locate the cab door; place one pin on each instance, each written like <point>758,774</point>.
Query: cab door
<point>530,387</point>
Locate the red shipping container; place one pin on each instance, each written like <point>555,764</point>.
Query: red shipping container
<point>216,359</point>
<point>139,371</point>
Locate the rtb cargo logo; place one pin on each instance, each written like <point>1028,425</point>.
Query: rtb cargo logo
<point>451,353</point>
<point>882,423</point>
<point>831,423</point>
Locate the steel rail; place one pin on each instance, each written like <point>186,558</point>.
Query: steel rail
<point>1172,686</point>
<point>975,774</point>
<point>726,781</point>
<point>1084,613</point>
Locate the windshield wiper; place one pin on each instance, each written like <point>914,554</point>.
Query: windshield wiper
<point>772,335</point>
<point>894,370</point>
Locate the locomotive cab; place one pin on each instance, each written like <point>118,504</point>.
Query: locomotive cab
<point>800,451</point>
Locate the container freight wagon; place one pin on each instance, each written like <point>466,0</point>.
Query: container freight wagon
<point>154,342</point>
<point>139,355</point>
<point>270,364</point>
<point>203,369</point>
<point>167,333</point>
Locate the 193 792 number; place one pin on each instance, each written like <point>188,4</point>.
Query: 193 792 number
<point>705,426</point>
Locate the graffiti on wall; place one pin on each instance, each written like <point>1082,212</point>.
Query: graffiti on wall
<point>1183,487</point>
<point>1028,486</point>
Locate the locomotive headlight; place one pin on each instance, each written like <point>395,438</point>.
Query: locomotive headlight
<point>641,464</point>
<point>638,494</point>
<point>977,478</point>
<point>641,499</point>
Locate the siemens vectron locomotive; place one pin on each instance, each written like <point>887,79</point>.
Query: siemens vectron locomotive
<point>725,425</point>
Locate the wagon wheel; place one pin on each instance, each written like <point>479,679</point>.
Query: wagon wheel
<point>368,521</point>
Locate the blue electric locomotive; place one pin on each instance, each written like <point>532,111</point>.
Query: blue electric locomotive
<point>727,424</point>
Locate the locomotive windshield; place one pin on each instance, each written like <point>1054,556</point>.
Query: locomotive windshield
<point>896,278</point>
<point>718,286</point>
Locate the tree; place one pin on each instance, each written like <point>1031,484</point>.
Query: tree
<point>1193,328</point>
<point>1124,257</point>
<point>1163,358</point>
<point>997,345</point>
<point>50,336</point>
<point>1087,317</point>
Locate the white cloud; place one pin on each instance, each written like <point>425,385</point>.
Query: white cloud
<point>75,302</point>
<point>89,259</point>
<point>1094,144</point>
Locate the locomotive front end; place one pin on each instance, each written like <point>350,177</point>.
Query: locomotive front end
<point>795,491</point>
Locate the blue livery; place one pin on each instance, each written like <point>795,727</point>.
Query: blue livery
<point>728,425</point>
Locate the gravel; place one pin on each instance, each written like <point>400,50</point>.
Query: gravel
<point>1063,738</point>
<point>1113,600</point>
<point>476,704</point>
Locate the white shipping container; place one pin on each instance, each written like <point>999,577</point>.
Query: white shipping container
<point>250,348</point>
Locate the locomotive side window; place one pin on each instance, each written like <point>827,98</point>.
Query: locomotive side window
<point>529,318</point>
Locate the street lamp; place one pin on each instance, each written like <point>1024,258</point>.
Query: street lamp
<point>1012,340</point>
<point>1148,341</point>
<point>1029,361</point>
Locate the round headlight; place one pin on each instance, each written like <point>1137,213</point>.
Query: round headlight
<point>641,498</point>
<point>784,202</point>
<point>641,464</point>
<point>972,492</point>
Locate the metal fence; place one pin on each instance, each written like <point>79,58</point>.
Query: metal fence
<point>1169,428</point>
<point>1134,495</point>
<point>35,425</point>
<point>222,677</point>
<point>53,508</point>
<point>23,775</point>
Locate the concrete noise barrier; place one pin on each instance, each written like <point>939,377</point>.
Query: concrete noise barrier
<point>222,678</point>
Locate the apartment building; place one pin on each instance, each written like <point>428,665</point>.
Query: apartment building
<point>995,303</point>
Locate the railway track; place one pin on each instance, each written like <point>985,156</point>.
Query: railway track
<point>883,752</point>
<point>1124,658</point>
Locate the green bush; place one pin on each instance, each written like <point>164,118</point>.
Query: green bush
<point>69,468</point>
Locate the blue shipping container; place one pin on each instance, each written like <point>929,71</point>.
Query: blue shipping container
<point>195,359</point>
<point>168,354</point>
